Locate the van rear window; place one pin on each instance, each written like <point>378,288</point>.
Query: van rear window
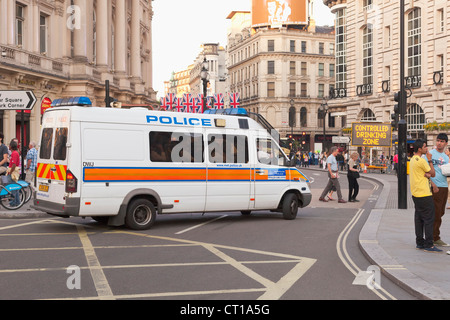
<point>60,150</point>
<point>46,143</point>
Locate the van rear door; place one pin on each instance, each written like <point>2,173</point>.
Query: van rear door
<point>53,159</point>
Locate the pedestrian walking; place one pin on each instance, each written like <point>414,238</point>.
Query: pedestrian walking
<point>333,176</point>
<point>420,172</point>
<point>31,163</point>
<point>439,186</point>
<point>4,153</point>
<point>352,177</point>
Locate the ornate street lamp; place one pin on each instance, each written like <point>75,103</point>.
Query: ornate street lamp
<point>204,75</point>
<point>323,110</point>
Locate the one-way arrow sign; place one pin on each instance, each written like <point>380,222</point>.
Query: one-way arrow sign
<point>17,100</point>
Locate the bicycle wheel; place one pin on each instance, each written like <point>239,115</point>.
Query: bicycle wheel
<point>7,201</point>
<point>28,193</point>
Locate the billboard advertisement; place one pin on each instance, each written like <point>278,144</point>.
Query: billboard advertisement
<point>276,13</point>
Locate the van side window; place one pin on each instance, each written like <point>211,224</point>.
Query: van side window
<point>60,149</point>
<point>176,147</point>
<point>226,148</point>
<point>46,143</point>
<point>269,153</point>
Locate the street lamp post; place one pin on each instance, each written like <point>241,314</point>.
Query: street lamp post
<point>204,74</point>
<point>323,109</point>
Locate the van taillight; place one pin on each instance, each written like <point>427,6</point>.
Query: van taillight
<point>71,182</point>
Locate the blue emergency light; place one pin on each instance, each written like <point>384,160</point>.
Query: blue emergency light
<point>74,101</point>
<point>230,111</point>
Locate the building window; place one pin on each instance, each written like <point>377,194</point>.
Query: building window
<point>414,43</point>
<point>43,33</point>
<point>304,89</point>
<point>270,67</point>
<point>271,89</point>
<point>321,48</point>
<point>292,91</point>
<point>321,90</point>
<point>415,117</point>
<point>368,116</point>
<point>367,54</point>
<point>341,48</point>
<point>304,69</point>
<point>331,48</point>
<point>321,69</point>
<point>292,68</point>
<point>271,45</point>
<point>303,46</point>
<point>367,4</point>
<point>303,117</point>
<point>292,46</point>
<point>441,20</point>
<point>20,23</point>
<point>331,69</point>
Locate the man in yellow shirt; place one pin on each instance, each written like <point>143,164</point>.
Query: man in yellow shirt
<point>420,172</point>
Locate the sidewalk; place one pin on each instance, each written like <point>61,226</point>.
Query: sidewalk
<point>387,239</point>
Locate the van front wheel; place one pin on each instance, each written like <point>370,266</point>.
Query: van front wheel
<point>141,214</point>
<point>290,206</point>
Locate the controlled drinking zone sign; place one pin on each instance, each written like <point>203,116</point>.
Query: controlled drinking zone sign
<point>368,134</point>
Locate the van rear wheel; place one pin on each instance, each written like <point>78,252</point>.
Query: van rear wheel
<point>290,206</point>
<point>141,214</point>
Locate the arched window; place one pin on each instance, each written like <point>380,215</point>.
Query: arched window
<point>303,117</point>
<point>415,117</point>
<point>368,115</point>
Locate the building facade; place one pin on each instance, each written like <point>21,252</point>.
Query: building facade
<point>70,48</point>
<point>368,58</point>
<point>276,69</point>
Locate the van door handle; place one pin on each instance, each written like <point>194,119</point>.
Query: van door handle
<point>53,169</point>
<point>260,172</point>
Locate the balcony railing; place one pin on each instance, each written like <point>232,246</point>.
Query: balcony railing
<point>364,89</point>
<point>386,86</point>
<point>438,77</point>
<point>337,93</point>
<point>413,82</point>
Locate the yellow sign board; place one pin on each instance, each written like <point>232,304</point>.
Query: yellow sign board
<point>369,134</point>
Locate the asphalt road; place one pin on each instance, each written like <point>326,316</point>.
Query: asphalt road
<point>216,256</point>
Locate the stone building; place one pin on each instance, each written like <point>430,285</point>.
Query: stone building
<point>368,57</point>
<point>70,48</point>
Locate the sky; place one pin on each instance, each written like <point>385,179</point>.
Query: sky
<point>181,26</point>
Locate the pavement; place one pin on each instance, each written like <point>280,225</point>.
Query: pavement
<point>387,239</point>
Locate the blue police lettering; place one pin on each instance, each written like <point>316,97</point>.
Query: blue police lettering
<point>179,121</point>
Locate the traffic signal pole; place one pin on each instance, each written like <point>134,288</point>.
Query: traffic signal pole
<point>402,126</point>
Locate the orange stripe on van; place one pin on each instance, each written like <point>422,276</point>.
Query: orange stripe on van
<point>229,174</point>
<point>142,174</point>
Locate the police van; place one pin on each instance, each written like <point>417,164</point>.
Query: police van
<point>126,166</point>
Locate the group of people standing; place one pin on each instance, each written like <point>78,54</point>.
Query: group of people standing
<point>429,190</point>
<point>332,167</point>
<point>10,162</point>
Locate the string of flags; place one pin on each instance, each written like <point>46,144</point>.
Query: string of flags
<point>191,104</point>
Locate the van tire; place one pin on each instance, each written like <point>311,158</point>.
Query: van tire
<point>290,206</point>
<point>141,214</point>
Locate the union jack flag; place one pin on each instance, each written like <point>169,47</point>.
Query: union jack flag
<point>178,105</point>
<point>209,102</point>
<point>163,103</point>
<point>188,102</point>
<point>198,104</point>
<point>234,100</point>
<point>170,101</point>
<point>218,101</point>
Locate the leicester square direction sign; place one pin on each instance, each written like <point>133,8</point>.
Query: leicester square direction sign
<point>17,100</point>
<point>370,134</point>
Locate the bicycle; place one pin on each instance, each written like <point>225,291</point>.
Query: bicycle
<point>8,195</point>
<point>26,186</point>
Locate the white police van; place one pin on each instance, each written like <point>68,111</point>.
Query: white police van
<point>125,166</point>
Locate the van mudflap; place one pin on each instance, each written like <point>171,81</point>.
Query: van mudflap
<point>70,209</point>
